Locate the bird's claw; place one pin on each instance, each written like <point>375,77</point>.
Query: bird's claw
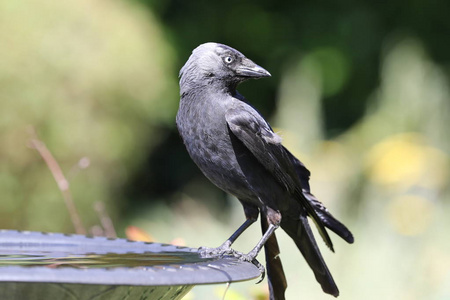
<point>206,252</point>
<point>250,257</point>
<point>261,269</point>
<point>225,250</point>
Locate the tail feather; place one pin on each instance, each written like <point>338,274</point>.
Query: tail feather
<point>320,211</point>
<point>328,220</point>
<point>300,231</point>
<point>275,274</point>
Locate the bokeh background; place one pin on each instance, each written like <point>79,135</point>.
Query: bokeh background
<point>359,92</point>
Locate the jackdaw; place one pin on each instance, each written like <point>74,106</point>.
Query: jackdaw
<point>237,150</point>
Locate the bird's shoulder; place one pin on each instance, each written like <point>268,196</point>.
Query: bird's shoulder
<point>242,117</point>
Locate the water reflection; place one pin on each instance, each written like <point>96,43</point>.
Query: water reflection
<point>92,260</point>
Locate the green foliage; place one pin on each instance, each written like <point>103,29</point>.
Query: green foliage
<point>93,79</point>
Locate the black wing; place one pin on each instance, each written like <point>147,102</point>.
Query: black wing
<point>323,213</point>
<point>257,136</point>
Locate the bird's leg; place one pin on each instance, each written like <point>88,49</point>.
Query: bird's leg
<point>274,220</point>
<point>225,248</point>
<point>237,233</point>
<point>251,256</point>
<point>254,252</point>
<point>251,214</point>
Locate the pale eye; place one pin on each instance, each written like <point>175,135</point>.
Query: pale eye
<point>228,59</point>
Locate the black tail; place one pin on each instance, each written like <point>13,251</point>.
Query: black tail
<point>300,231</point>
<point>327,218</point>
<point>275,274</point>
<point>320,210</point>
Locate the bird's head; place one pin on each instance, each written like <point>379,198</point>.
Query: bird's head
<point>214,62</point>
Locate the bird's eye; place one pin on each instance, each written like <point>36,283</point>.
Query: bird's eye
<point>228,59</point>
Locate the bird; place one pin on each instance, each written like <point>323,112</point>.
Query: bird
<point>238,151</point>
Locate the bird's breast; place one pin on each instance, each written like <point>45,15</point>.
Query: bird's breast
<point>206,136</point>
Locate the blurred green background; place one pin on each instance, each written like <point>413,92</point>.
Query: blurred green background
<point>359,92</point>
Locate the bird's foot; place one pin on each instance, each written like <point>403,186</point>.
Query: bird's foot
<point>222,250</point>
<point>251,257</point>
<point>226,250</point>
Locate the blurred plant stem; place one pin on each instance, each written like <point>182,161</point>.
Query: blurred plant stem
<point>61,181</point>
<point>105,220</point>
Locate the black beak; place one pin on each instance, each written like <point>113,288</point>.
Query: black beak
<point>251,70</point>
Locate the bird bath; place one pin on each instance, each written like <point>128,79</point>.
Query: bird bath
<point>35,265</point>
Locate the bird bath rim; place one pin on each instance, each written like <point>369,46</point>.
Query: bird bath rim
<point>163,264</point>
